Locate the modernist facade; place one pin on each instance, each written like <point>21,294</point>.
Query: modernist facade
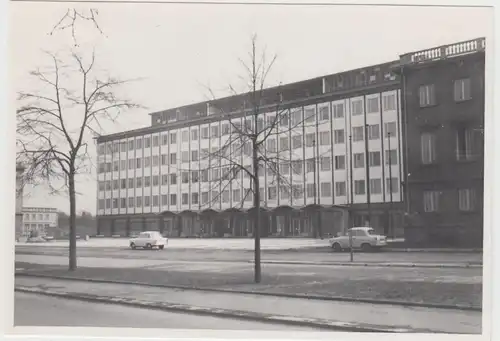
<point>171,177</point>
<point>444,106</point>
<point>39,219</point>
<point>346,150</point>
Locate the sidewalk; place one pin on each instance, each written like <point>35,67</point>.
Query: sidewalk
<point>330,314</point>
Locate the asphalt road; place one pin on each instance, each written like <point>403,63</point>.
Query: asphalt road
<point>36,310</point>
<point>308,272</point>
<point>321,255</point>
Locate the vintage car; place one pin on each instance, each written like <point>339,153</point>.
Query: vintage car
<point>363,238</point>
<point>148,240</point>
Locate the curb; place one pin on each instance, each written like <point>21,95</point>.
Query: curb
<point>226,313</point>
<point>390,265</point>
<point>260,293</point>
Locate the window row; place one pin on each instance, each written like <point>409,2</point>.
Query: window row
<point>467,200</point>
<point>461,92</point>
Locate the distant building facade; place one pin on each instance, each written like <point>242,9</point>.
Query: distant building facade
<point>39,219</point>
<point>444,98</point>
<point>19,200</point>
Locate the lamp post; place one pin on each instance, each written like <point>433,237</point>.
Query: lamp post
<point>390,183</point>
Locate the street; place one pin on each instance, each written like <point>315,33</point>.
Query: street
<point>36,310</point>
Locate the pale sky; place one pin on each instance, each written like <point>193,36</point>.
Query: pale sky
<point>176,49</point>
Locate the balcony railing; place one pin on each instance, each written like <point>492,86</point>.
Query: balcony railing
<point>444,52</point>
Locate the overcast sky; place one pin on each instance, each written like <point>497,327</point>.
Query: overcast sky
<point>177,49</point>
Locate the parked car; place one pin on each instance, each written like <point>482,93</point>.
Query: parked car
<point>364,238</point>
<point>149,240</point>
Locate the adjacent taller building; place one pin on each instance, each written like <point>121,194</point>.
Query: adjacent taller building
<point>340,155</point>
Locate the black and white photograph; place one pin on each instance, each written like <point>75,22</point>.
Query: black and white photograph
<point>277,167</point>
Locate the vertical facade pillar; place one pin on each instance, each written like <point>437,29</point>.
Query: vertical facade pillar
<point>98,226</point>
<point>161,224</point>
<point>112,226</point>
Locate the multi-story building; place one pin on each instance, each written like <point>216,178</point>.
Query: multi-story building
<point>443,94</point>
<point>19,200</point>
<point>335,132</point>
<point>39,219</point>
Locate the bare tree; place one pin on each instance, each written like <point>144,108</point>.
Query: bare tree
<point>55,122</point>
<point>72,17</point>
<point>251,143</point>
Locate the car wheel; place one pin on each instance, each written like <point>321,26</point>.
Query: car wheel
<point>161,247</point>
<point>366,247</point>
<point>149,246</point>
<point>336,247</point>
<point>132,246</point>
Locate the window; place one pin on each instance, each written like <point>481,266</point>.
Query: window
<point>115,184</point>
<point>138,162</point>
<point>392,185</point>
<point>194,155</point>
<point>138,201</point>
<point>285,168</point>
<point>173,158</point>
<point>115,166</point>
<point>311,191</point>
<point>340,189</point>
<point>375,186</point>
<point>147,161</point>
<point>194,134</point>
<point>155,180</point>
<point>123,165</point>
<point>225,129</point>
<point>123,183</point>
<point>391,157</point>
<point>164,139</point>
<point>359,160</point>
<point>466,199</point>
<point>427,95</point>
<point>131,202</point>
<point>390,129</point>
<point>147,181</point>
<point>338,110</point>
<point>185,177</point>
<point>309,115</point>
<point>173,179</point>
<point>155,201</point>
<point>155,141</point>
<point>296,117</point>
<point>131,183</point>
<point>326,163</point>
<point>185,198</point>
<point>310,139</point>
<point>131,163</point>
<point>357,134</point>
<point>236,195</point>
<point>373,132</point>
<point>326,189</point>
<point>185,136</point>
<point>298,191</point>
<point>173,138</point>
<point>147,142</point>
<point>284,120</point>
<point>147,201</point>
<point>284,143</point>
<point>431,201</point>
<point>204,133</point>
<point>296,167</point>
<point>215,131</point>
<point>357,107</point>
<point>131,145</point>
<point>372,105</point>
<point>428,148</point>
<point>194,176</point>
<point>339,136</point>
<point>462,90</point>
<point>359,187</point>
<point>204,198</point>
<point>271,193</point>
<point>173,199</point>
<point>374,158</point>
<point>164,200</point>
<point>138,143</point>
<point>194,198</point>
<point>468,143</point>
<point>204,175</point>
<point>155,160</point>
<point>389,102</point>
<point>108,185</point>
<point>185,156</point>
<point>271,145</point>
<point>138,182</point>
<point>225,196</point>
<point>324,113</point>
<point>297,141</point>
<point>215,174</point>
<point>310,165</point>
<point>101,185</point>
<point>164,179</point>
<point>324,138</point>
<point>101,206</point>
<point>339,162</point>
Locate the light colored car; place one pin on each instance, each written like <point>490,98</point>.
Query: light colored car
<point>364,238</point>
<point>149,240</point>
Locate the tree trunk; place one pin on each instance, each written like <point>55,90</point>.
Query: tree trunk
<point>72,222</point>
<point>256,228</point>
